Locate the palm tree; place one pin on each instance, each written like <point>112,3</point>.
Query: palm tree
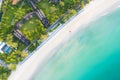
<point>82,4</point>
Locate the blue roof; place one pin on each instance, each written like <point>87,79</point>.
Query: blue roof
<point>4,47</point>
<point>1,16</point>
<point>8,50</point>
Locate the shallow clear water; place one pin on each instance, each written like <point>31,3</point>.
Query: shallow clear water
<point>92,54</point>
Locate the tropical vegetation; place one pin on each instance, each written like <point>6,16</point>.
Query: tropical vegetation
<point>33,29</point>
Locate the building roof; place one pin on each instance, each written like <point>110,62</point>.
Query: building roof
<point>1,16</point>
<point>40,15</point>
<point>18,34</point>
<point>55,1</point>
<point>1,46</point>
<point>5,48</point>
<point>14,2</point>
<point>0,4</point>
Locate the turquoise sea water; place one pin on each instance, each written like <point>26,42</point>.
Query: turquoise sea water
<point>91,54</point>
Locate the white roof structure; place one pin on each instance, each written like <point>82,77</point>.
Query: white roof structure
<point>1,46</point>
<point>1,4</point>
<point>5,48</point>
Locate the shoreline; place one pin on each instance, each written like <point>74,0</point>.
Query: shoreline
<point>38,59</point>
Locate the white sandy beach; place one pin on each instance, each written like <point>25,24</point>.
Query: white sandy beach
<point>43,54</point>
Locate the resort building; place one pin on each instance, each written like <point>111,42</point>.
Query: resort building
<point>1,1</point>
<point>2,63</point>
<point>18,34</point>
<point>5,48</point>
<point>1,16</point>
<point>40,14</point>
<point>55,1</point>
<point>14,2</point>
<point>0,4</point>
<point>35,1</point>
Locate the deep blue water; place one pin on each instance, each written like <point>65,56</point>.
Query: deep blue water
<point>91,54</point>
